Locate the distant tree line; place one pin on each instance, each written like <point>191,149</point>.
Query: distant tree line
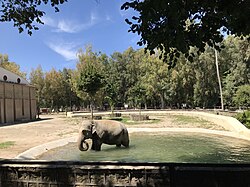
<point>142,80</point>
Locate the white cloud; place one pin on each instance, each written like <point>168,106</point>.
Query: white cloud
<point>67,50</point>
<point>48,21</point>
<point>70,26</point>
<point>108,18</point>
<point>93,17</point>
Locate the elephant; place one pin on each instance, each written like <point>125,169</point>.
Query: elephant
<point>104,131</point>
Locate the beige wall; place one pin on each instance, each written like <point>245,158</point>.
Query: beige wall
<point>17,102</point>
<point>1,103</point>
<point>1,111</point>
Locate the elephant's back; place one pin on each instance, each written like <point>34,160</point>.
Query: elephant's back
<point>112,125</point>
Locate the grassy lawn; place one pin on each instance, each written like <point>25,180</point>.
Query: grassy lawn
<point>128,121</point>
<point>193,121</point>
<point>4,145</point>
<point>188,119</point>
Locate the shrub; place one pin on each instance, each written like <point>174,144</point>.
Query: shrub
<point>244,118</point>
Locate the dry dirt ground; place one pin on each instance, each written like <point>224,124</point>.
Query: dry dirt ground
<point>53,127</point>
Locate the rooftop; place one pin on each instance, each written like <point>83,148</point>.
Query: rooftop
<point>7,76</point>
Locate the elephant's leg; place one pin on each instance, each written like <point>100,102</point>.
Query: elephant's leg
<point>118,145</point>
<point>125,140</point>
<point>96,145</point>
<point>93,147</point>
<point>125,143</point>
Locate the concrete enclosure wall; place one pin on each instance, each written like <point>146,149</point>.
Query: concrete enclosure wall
<point>83,174</point>
<point>17,102</point>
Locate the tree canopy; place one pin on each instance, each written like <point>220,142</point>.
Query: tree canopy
<point>139,79</point>
<point>174,26</point>
<point>25,14</point>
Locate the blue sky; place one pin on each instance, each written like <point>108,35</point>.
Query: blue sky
<point>79,23</point>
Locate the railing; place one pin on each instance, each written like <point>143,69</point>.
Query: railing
<point>16,173</point>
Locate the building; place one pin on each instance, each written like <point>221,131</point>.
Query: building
<point>17,98</point>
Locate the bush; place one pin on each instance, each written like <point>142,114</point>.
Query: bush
<point>244,118</point>
<point>242,96</point>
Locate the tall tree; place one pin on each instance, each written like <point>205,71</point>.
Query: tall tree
<point>112,84</point>
<point>132,59</point>
<point>54,89</point>
<point>177,24</point>
<point>206,88</point>
<point>235,58</point>
<point>119,70</point>
<point>69,98</point>
<point>37,79</point>
<point>182,82</point>
<point>90,78</point>
<point>155,79</point>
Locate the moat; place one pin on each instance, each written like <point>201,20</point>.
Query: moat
<point>181,147</point>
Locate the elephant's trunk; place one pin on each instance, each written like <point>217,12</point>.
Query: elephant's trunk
<point>82,144</point>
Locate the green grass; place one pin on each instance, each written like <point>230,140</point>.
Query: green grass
<point>189,119</point>
<point>127,120</point>
<point>7,144</point>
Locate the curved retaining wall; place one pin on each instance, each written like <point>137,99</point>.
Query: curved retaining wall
<point>229,123</point>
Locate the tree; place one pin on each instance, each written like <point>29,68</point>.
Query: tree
<point>37,80</point>
<point>112,84</point>
<point>206,88</point>
<point>91,78</point>
<point>182,82</point>
<point>242,96</point>
<point>175,25</point>
<point>132,58</point>
<point>235,64</point>
<point>119,63</point>
<point>11,66</point>
<point>54,89</point>
<point>25,13</point>
<point>155,78</point>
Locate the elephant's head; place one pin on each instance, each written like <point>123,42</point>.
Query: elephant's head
<point>85,132</point>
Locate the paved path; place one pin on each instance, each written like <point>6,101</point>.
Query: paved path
<point>27,135</point>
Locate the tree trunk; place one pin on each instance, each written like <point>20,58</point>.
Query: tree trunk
<point>218,75</point>
<point>91,108</point>
<point>112,109</point>
<point>162,101</point>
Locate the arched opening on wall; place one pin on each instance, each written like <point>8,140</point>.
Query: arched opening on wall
<point>5,78</point>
